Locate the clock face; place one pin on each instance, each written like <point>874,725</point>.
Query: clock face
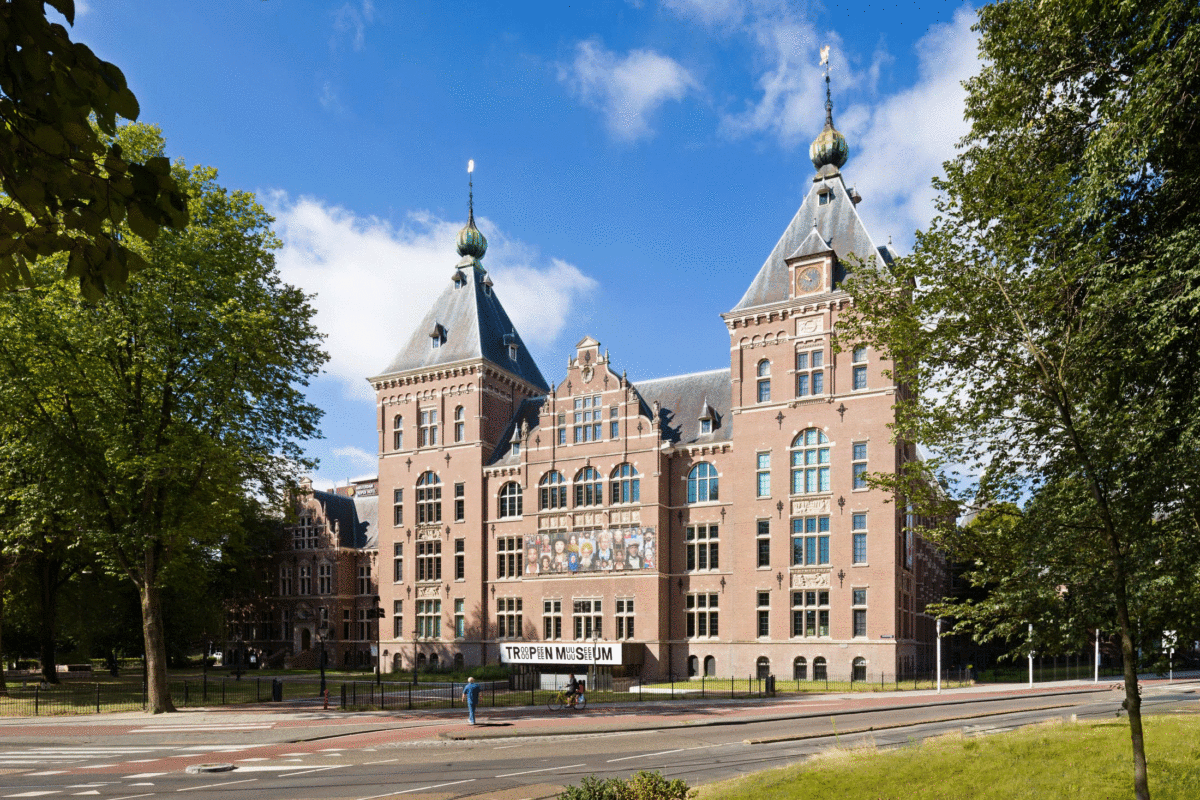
<point>808,279</point>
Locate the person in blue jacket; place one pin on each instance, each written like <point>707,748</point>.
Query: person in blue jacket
<point>471,695</point>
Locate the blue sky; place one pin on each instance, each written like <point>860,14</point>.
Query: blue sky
<point>635,160</point>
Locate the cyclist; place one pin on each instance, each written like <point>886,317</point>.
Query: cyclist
<point>572,690</point>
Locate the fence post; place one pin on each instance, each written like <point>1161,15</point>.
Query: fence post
<point>97,698</point>
<point>145,694</point>
<point>410,697</point>
<point>257,686</point>
<point>343,697</point>
<point>37,698</point>
<point>493,694</point>
<point>205,690</point>
<point>185,693</point>
<point>223,691</point>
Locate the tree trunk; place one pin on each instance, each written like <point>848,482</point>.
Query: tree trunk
<point>157,692</point>
<point>3,684</point>
<point>1133,695</point>
<point>48,569</point>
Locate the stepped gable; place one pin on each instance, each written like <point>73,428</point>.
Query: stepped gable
<point>684,399</point>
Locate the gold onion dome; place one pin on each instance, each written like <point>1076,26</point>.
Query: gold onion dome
<point>829,148</point>
<point>470,241</point>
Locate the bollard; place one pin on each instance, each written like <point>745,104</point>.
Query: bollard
<point>326,706</point>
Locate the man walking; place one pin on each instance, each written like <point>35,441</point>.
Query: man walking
<point>471,695</point>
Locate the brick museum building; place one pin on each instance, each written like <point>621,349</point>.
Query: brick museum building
<point>716,523</point>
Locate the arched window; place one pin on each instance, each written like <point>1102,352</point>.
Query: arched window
<point>819,671</point>
<point>588,488</point>
<point>429,499</point>
<point>460,424</point>
<point>398,432</point>
<point>810,462</point>
<point>762,667</point>
<point>858,669</point>
<point>510,500</point>
<point>800,669</point>
<point>693,666</point>
<point>552,491</point>
<point>626,486</point>
<point>702,483</point>
<point>710,666</point>
<point>459,661</point>
<point>764,381</point>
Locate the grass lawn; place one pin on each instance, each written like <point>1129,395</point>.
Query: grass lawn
<point>1086,760</point>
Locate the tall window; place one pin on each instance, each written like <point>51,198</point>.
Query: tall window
<point>763,541</point>
<point>364,624</point>
<point>810,373</point>
<point>588,488</point>
<point>703,549</point>
<point>626,485</point>
<point>764,475</point>
<point>397,507</point>
<point>324,578</point>
<point>429,619</point>
<point>427,432</point>
<point>285,581</point>
<point>588,419</point>
<point>508,557</point>
<point>305,578</point>
<point>552,620</point>
<point>764,381</point>
<point>702,483</point>
<point>429,499</point>
<point>460,502</point>
<point>624,617</point>
<point>306,535</point>
<point>398,432</point>
<point>397,619</point>
<point>510,500</point>
<point>552,490</point>
<point>859,464</point>
<point>588,619</point>
<point>810,613</point>
<point>701,615</point>
<point>429,560</point>
<point>858,526</point>
<point>562,428</point>
<point>614,424</point>
<point>460,618</point>
<point>810,541</point>
<point>508,617</point>
<point>398,562</point>
<point>810,462</point>
<point>460,424</point>
<point>364,579</point>
<point>764,614</point>
<point>860,367</point>
<point>820,669</point>
<point>859,600</point>
<point>460,559</point>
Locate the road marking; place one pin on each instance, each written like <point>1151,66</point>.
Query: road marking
<point>212,785</point>
<point>646,755</point>
<point>385,761</point>
<point>530,772</point>
<point>32,794</point>
<point>259,758</point>
<point>279,768</point>
<point>93,791</point>
<point>317,769</point>
<point>201,728</point>
<point>144,775</point>
<point>47,772</point>
<point>418,789</point>
<point>98,766</point>
<point>508,747</point>
<point>131,796</point>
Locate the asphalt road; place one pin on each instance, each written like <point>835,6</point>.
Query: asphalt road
<point>512,755</point>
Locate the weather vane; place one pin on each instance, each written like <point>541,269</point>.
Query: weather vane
<point>828,96</point>
<point>471,190</point>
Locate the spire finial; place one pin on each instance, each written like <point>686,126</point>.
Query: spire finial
<point>829,148</point>
<point>471,243</point>
<point>828,95</point>
<point>471,188</point>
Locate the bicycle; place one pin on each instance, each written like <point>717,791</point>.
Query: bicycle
<point>563,700</point>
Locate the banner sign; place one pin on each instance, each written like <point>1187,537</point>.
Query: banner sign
<point>612,550</point>
<point>608,653</point>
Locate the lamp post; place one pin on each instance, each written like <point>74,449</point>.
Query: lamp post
<point>415,632</point>
<point>939,655</point>
<point>1031,655</point>
<point>595,669</point>
<point>377,612</point>
<point>322,632</point>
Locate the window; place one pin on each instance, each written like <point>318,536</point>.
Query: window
<point>346,625</point>
<point>460,618</point>
<point>764,381</point>
<point>860,367</point>
<point>624,617</point>
<point>810,373</point>
<point>702,483</point>
<point>397,619</point>
<point>810,613</point>
<point>762,668</point>
<point>859,601</point>
<point>552,620</point>
<point>858,526</point>
<point>701,615</point>
<point>614,426</point>
<point>764,614</point>
<point>460,502</point>
<point>510,500</point>
<point>305,579</point>
<point>552,491</point>
<point>800,669</point>
<point>516,448</point>
<point>429,619</point>
<point>429,499</point>
<point>285,581</point>
<point>859,464</point>
<point>562,428</point>
<point>364,624</point>
<point>460,559</point>
<point>398,562</point>
<point>706,425</point>
<point>306,534</point>
<point>764,475</point>
<point>824,197</point>
<point>588,419</point>
<point>324,578</point>
<point>820,671</point>
<point>764,543</point>
<point>508,557</point>
<point>508,617</point>
<point>858,669</point>
<point>588,619</point>
<point>427,432</point>
<point>810,462</point>
<point>429,560</point>
<point>398,432</point>
<point>460,424</point>
<point>397,507</point>
<point>702,547</point>
<point>588,488</point>
<point>810,541</point>
<point>626,486</point>
<point>364,579</point>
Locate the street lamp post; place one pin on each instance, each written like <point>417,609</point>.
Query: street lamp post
<point>595,668</point>
<point>322,632</point>
<point>377,612</point>
<point>414,664</point>
<point>939,655</point>
<point>1031,655</point>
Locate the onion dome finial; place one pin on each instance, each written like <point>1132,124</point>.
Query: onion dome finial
<point>829,148</point>
<point>471,243</point>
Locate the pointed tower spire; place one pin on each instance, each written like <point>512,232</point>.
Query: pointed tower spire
<point>471,243</point>
<point>829,150</point>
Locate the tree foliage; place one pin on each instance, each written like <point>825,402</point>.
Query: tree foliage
<point>67,186</point>
<point>1046,323</point>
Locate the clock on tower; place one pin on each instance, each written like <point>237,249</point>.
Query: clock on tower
<point>808,279</point>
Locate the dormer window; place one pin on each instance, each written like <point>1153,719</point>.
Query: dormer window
<point>510,341</point>
<point>516,448</point>
<point>437,336</point>
<point>706,426</point>
<point>460,280</point>
<point>707,418</point>
<point>825,197</point>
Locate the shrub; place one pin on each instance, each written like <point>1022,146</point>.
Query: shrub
<point>642,786</point>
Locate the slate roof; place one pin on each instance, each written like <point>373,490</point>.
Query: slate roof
<point>353,530</point>
<point>529,411</point>
<point>474,325</point>
<point>682,400</point>
<point>368,517</point>
<point>838,226</point>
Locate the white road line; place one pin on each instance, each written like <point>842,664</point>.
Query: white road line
<point>144,775</point>
<point>278,768</point>
<point>385,761</point>
<point>214,785</point>
<point>142,760</point>
<point>646,755</point>
<point>131,796</point>
<point>32,794</point>
<point>532,771</point>
<point>47,772</point>
<point>98,766</point>
<point>259,758</point>
<point>508,747</point>
<point>317,769</point>
<point>418,789</point>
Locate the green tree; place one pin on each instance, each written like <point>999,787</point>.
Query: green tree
<point>156,409</point>
<point>1045,324</point>
<point>67,187</point>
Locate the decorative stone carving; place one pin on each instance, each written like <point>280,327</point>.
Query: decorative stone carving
<point>801,508</point>
<point>429,591</point>
<point>429,533</point>
<point>810,580</point>
<point>808,325</point>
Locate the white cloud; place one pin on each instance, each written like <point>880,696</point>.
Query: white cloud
<point>709,12</point>
<point>374,281</point>
<point>626,89</point>
<point>351,21</point>
<point>356,455</point>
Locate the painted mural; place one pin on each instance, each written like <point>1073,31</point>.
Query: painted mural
<point>610,550</point>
